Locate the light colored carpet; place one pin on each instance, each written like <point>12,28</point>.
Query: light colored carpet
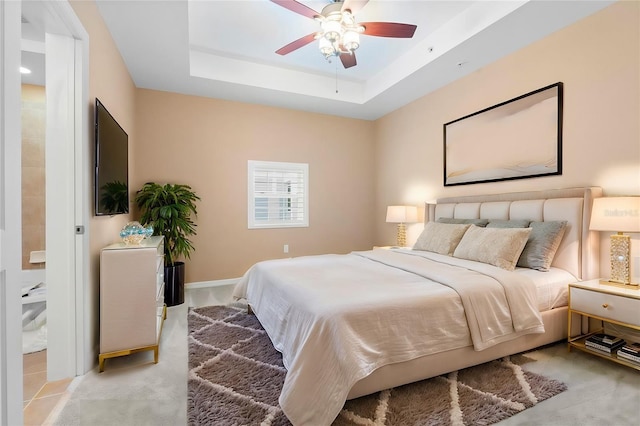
<point>236,377</point>
<point>134,391</point>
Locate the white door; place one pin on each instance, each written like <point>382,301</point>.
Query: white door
<point>67,176</point>
<point>10,219</point>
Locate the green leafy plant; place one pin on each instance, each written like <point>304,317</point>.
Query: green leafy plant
<point>168,209</point>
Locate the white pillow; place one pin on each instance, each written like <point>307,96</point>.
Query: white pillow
<point>500,247</point>
<point>440,237</point>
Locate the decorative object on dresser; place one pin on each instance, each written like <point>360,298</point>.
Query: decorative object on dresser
<point>168,209</point>
<point>402,215</point>
<point>132,308</point>
<point>619,214</point>
<point>133,233</point>
<point>613,306</point>
<point>236,375</point>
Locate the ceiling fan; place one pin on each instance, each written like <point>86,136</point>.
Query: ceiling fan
<point>339,33</point>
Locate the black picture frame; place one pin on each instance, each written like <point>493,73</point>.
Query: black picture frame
<point>516,139</point>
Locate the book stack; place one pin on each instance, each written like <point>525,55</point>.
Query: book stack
<point>630,351</point>
<point>604,342</point>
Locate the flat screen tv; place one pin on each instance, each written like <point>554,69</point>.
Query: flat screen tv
<point>112,164</point>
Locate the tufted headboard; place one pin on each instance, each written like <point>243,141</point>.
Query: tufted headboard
<point>579,251</point>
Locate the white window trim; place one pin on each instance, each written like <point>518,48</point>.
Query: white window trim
<point>252,165</point>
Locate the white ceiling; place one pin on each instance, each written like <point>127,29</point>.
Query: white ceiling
<point>226,49</point>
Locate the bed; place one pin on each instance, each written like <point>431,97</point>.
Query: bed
<point>350,325</point>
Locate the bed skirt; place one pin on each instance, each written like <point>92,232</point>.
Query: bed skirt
<point>393,375</point>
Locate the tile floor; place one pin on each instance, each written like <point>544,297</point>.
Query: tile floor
<point>39,397</point>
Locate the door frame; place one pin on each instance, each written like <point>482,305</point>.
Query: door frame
<point>10,217</point>
<point>68,303</point>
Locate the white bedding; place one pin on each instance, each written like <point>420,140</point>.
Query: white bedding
<point>337,318</point>
<point>551,286</point>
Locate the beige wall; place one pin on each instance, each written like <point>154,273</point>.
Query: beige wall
<point>109,81</point>
<point>206,143</point>
<point>33,172</point>
<point>397,159</point>
<point>598,59</point>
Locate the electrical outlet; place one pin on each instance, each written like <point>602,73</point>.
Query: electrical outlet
<point>286,248</point>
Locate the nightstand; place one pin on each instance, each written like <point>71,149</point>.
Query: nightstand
<point>610,304</point>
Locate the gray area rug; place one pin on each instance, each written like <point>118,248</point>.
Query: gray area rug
<point>235,378</point>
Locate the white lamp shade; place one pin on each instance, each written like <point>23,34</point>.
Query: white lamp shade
<point>402,214</point>
<point>351,40</point>
<point>617,214</point>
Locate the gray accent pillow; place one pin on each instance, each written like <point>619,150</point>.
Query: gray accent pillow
<point>543,243</point>
<point>440,237</point>
<point>500,247</point>
<point>477,222</point>
<point>514,223</point>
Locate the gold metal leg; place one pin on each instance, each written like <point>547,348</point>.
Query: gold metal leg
<point>101,363</point>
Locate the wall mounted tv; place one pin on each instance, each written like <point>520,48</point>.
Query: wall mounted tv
<point>112,164</point>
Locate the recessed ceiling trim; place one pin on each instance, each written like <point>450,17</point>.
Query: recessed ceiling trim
<point>459,29</point>
<point>205,65</point>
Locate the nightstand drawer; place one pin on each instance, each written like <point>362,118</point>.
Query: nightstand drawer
<point>610,306</point>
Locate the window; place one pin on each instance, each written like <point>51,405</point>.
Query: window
<point>278,194</point>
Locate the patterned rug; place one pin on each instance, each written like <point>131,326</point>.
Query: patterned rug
<point>235,378</point>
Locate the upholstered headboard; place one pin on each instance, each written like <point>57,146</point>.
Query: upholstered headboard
<point>579,251</point>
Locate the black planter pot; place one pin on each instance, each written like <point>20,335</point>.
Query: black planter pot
<point>174,284</point>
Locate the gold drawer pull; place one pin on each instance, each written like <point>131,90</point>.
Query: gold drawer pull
<point>605,305</point>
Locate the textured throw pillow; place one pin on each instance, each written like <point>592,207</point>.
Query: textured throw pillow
<point>513,223</point>
<point>500,247</point>
<point>440,237</point>
<point>477,222</point>
<point>543,243</point>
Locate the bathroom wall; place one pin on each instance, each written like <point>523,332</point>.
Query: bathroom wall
<point>33,172</point>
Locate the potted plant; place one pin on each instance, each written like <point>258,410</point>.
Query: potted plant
<point>168,209</point>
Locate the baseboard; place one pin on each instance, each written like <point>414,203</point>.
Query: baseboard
<point>209,284</point>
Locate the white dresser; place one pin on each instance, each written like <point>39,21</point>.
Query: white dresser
<point>132,308</point>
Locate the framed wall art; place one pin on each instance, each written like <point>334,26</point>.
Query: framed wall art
<point>517,139</point>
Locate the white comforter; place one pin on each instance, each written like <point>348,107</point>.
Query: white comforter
<point>337,318</point>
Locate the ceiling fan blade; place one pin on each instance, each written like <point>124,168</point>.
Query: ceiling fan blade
<point>296,7</point>
<point>354,5</point>
<point>388,29</point>
<point>348,60</point>
<point>297,44</point>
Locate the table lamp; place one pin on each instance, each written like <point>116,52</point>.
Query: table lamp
<point>402,215</point>
<point>618,214</point>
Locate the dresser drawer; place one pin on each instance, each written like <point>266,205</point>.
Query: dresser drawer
<point>609,306</point>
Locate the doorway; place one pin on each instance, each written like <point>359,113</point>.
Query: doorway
<point>67,177</point>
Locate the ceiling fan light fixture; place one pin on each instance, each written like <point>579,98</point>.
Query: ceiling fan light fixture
<point>326,48</point>
<point>332,29</point>
<point>351,40</point>
<point>339,34</point>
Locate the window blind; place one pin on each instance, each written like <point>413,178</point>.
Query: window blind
<point>278,194</point>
